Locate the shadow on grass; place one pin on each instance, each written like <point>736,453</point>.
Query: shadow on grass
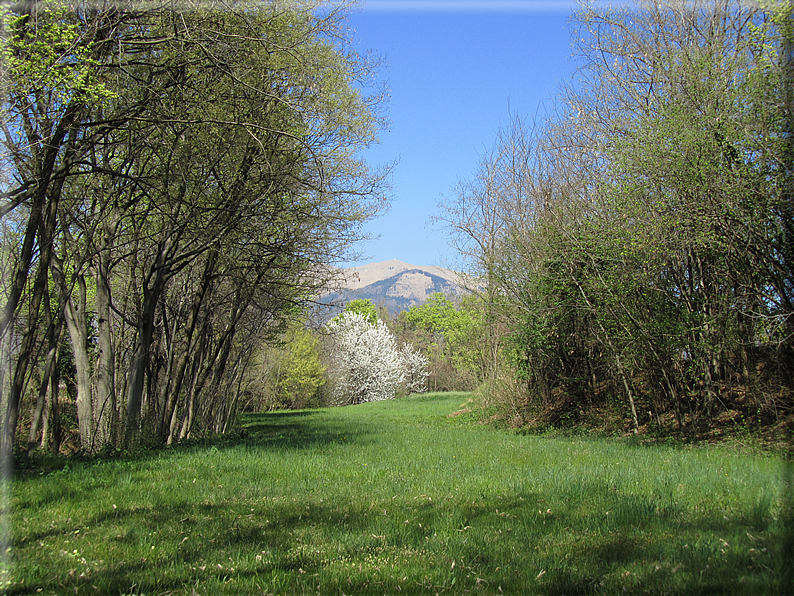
<point>498,550</point>
<point>506,546</point>
<point>304,429</point>
<point>300,429</point>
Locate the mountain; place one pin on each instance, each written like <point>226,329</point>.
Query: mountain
<point>395,284</point>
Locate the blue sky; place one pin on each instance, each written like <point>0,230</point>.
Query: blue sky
<point>455,69</point>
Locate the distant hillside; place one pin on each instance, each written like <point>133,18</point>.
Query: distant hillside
<point>394,284</point>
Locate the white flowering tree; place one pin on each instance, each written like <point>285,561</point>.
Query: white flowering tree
<point>366,363</point>
<point>415,365</point>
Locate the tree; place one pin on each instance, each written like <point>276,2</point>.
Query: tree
<point>362,306</point>
<point>290,373</point>
<point>48,59</point>
<point>693,205</point>
<point>303,372</point>
<point>455,338</point>
<point>366,364</point>
<point>415,364</point>
<point>209,174</point>
<point>481,215</point>
<point>637,239</point>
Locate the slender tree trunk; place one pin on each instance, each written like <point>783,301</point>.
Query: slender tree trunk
<point>24,357</point>
<point>53,420</point>
<point>135,387</point>
<point>618,362</point>
<point>46,234</point>
<point>104,407</point>
<point>163,393</point>
<point>140,357</point>
<point>76,324</point>
<point>628,392</point>
<point>187,422</point>
<point>45,418</point>
<point>38,210</point>
<point>54,332</point>
<point>184,356</point>
<point>20,277</point>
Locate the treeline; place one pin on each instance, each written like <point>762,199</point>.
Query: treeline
<point>177,179</point>
<point>638,243</point>
<point>366,354</point>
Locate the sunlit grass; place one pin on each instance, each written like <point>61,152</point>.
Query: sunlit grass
<point>397,497</point>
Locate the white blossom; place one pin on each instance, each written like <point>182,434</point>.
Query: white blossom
<point>415,365</point>
<point>367,365</point>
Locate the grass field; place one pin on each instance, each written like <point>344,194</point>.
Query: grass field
<point>397,497</point>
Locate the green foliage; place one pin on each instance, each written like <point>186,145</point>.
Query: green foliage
<point>451,333</point>
<point>362,306</point>
<point>398,496</point>
<point>641,239</point>
<point>196,169</point>
<point>301,374</point>
<point>288,372</point>
<point>438,314</point>
<point>48,52</point>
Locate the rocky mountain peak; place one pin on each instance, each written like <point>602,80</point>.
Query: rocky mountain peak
<point>394,284</point>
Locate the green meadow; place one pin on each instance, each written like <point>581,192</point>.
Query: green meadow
<point>398,497</point>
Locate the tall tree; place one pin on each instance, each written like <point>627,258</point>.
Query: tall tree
<point>222,160</point>
<point>643,230</point>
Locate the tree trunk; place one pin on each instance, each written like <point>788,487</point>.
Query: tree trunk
<point>140,357</point>
<point>76,324</point>
<point>612,346</point>
<point>54,333</point>
<point>23,265</point>
<point>187,422</point>
<point>37,214</point>
<point>184,357</point>
<point>53,420</point>
<point>104,406</point>
<point>628,392</point>
<point>46,234</point>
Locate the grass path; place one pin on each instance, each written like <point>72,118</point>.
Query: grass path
<point>397,497</point>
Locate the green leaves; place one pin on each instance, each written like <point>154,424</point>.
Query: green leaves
<point>456,331</point>
<point>47,51</point>
<point>200,164</point>
<point>302,373</point>
<point>641,237</point>
<point>364,307</point>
